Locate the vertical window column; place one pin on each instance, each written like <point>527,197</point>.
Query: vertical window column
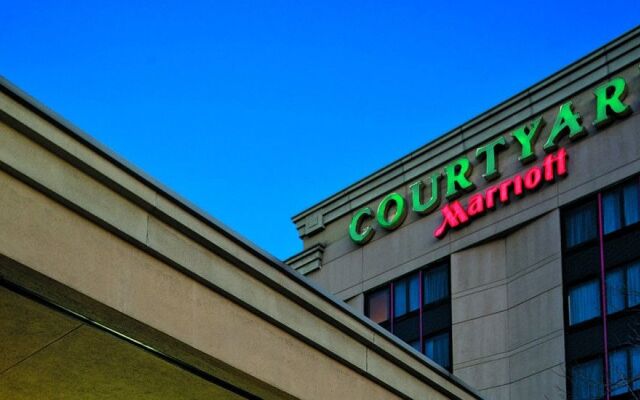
<point>603,298</point>
<point>601,273</point>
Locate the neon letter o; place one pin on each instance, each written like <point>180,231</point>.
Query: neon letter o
<point>398,216</point>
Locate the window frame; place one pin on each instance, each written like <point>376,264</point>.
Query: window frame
<point>449,331</point>
<point>439,302</point>
<point>590,321</point>
<point>407,294</point>
<point>394,320</point>
<point>619,187</point>
<point>367,304</point>
<point>576,363</point>
<point>564,225</point>
<point>624,268</point>
<point>628,350</point>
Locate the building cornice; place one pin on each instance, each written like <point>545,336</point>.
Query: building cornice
<point>308,260</point>
<point>577,76</point>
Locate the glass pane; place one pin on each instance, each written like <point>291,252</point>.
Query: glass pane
<point>631,203</point>
<point>414,292</point>
<point>416,345</point>
<point>611,212</point>
<point>587,381</point>
<point>379,306</point>
<point>618,372</point>
<point>635,368</point>
<point>633,284</point>
<point>407,328</point>
<point>436,284</point>
<point>437,349</point>
<point>400,298</point>
<point>615,291</point>
<point>581,224</point>
<point>584,302</point>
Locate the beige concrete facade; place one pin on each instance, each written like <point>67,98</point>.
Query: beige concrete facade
<point>506,266</point>
<point>508,315</point>
<point>85,233</point>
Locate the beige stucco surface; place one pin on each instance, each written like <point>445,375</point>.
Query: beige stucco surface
<point>508,315</point>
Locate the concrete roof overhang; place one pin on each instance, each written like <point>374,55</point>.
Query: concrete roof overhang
<point>79,224</point>
<point>48,353</point>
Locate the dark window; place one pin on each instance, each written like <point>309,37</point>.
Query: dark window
<point>400,298</point>
<point>406,295</point>
<point>623,285</point>
<point>378,305</point>
<point>618,372</point>
<point>612,211</point>
<point>581,224</point>
<point>631,193</point>
<point>620,207</point>
<point>437,348</point>
<point>635,368</point>
<point>633,284</point>
<point>584,302</point>
<point>414,292</point>
<point>615,291</point>
<point>415,344</point>
<point>587,381</point>
<point>436,284</point>
<point>624,370</point>
<point>425,325</point>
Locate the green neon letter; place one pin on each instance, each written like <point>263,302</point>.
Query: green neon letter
<point>398,216</point>
<point>567,121</point>
<point>488,153</point>
<point>416,195</point>
<point>356,224</point>
<point>458,173</point>
<point>609,103</point>
<point>527,136</point>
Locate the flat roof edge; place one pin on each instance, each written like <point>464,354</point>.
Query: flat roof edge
<point>129,168</point>
<point>598,56</point>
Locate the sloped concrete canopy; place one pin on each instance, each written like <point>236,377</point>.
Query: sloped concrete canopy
<point>47,354</point>
<point>86,231</point>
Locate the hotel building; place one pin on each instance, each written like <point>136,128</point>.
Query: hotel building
<point>507,250</point>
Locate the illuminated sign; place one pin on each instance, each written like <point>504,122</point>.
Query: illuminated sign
<point>392,210</point>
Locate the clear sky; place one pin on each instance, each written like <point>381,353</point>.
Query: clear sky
<point>255,111</point>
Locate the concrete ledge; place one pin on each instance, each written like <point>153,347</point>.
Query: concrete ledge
<point>307,260</point>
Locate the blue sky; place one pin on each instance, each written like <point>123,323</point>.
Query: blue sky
<point>255,111</point>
